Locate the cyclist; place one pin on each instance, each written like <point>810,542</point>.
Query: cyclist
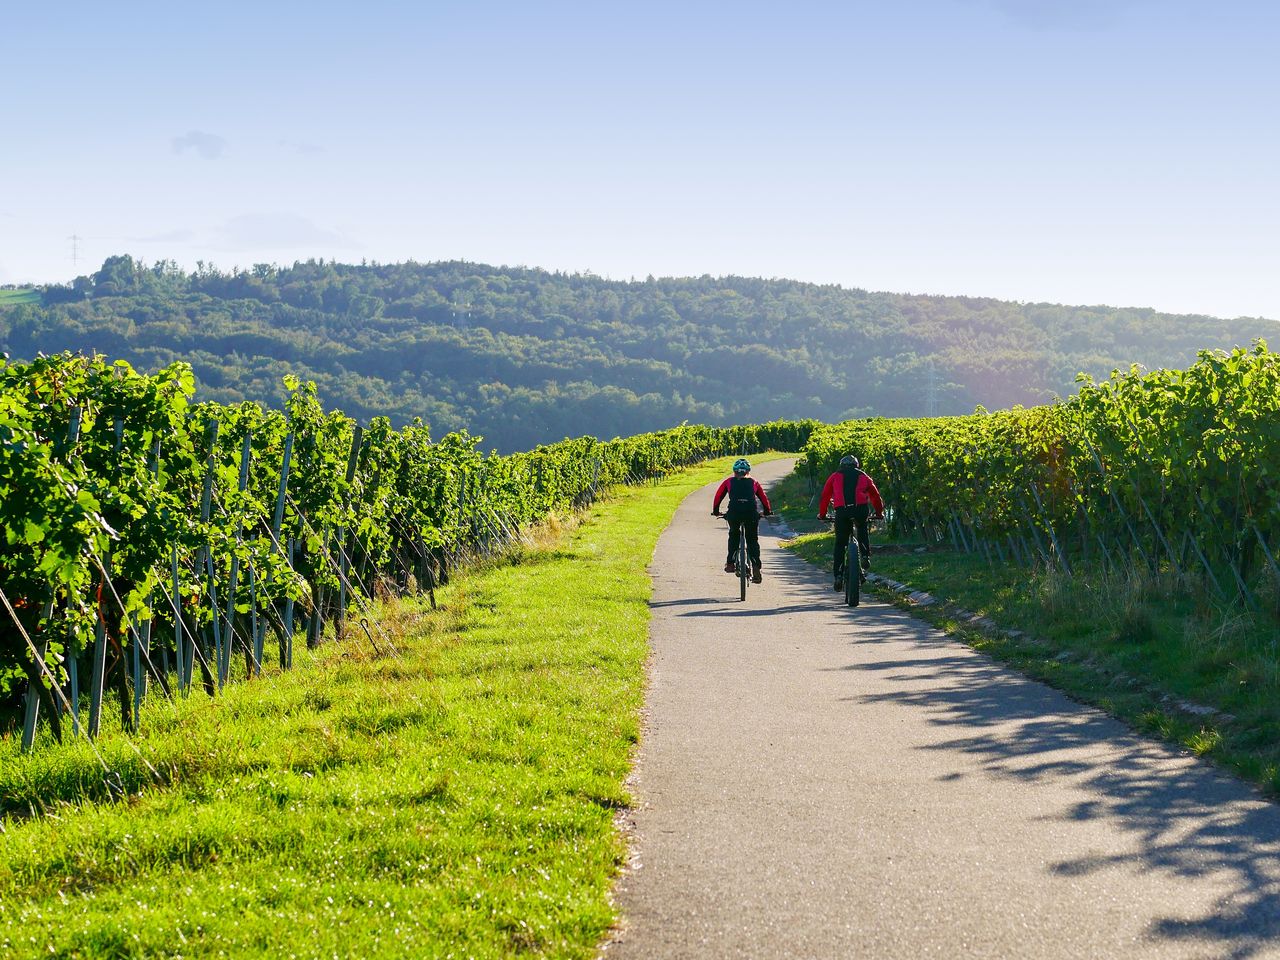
<point>743,492</point>
<point>852,493</point>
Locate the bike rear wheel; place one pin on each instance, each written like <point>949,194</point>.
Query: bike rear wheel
<point>744,568</point>
<point>853,574</point>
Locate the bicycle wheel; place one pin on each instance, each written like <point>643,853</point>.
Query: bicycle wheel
<point>853,574</point>
<point>744,568</point>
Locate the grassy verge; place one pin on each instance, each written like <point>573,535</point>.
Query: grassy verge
<point>456,799</point>
<point>11,297</point>
<point>1154,651</point>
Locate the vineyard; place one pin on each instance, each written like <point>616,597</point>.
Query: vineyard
<point>1173,471</point>
<point>154,545</point>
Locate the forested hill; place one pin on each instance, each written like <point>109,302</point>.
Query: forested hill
<point>525,356</point>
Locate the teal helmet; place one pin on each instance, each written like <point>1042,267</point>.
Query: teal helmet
<point>741,465</point>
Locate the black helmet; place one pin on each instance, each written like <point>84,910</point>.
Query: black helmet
<point>848,460</point>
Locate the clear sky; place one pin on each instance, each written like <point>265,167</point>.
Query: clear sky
<point>1085,151</point>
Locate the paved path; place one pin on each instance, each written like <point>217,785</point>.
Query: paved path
<point>822,782</point>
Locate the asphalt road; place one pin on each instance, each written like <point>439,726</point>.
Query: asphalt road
<point>819,781</point>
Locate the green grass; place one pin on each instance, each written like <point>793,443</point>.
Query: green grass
<point>1134,646</point>
<point>455,800</point>
<point>11,297</point>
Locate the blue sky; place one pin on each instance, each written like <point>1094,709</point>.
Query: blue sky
<point>1122,152</point>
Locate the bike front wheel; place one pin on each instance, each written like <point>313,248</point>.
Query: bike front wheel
<point>853,574</point>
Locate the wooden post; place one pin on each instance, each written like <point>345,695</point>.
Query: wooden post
<point>32,713</point>
<point>142,632</point>
<point>1013,548</point>
<point>224,668</point>
<point>1124,515</point>
<point>1173,559</point>
<point>344,561</point>
<point>100,632</point>
<point>1207,569</point>
<point>286,642</point>
<point>95,679</point>
<point>1030,524</point>
<point>277,522</point>
<point>215,621</point>
<point>1106,554</point>
<point>181,654</point>
<point>278,518</point>
<point>73,693</point>
<point>204,562</point>
<point>1053,537</point>
<point>258,626</point>
<point>1275,569</point>
<point>29,720</point>
<point>139,678</point>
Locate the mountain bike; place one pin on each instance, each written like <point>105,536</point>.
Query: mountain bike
<point>742,562</point>
<point>853,575</point>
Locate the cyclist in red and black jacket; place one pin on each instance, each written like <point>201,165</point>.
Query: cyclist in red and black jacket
<point>743,492</point>
<point>853,494</point>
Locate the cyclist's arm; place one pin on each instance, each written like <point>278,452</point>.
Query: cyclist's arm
<point>874,494</point>
<point>724,488</point>
<point>828,493</point>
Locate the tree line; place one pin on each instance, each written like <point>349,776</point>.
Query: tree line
<point>524,356</point>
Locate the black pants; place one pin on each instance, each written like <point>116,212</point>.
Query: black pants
<point>750,525</point>
<point>847,519</point>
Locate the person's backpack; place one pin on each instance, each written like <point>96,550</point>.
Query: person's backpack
<point>851,477</point>
<point>742,496</point>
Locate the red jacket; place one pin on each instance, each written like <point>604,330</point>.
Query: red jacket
<point>724,489</point>
<point>834,493</point>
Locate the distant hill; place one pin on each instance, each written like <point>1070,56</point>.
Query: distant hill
<point>524,356</point>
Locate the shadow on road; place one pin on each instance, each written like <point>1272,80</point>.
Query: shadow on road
<point>1189,819</point>
<point>1185,819</point>
<point>739,609</point>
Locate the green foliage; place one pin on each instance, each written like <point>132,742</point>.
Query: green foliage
<point>15,295</point>
<point>457,799</point>
<point>96,515</point>
<point>522,356</point>
<point>1174,469</point>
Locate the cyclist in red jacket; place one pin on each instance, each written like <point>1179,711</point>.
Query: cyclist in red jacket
<point>743,492</point>
<point>853,494</point>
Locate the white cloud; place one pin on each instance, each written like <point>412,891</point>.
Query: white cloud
<point>208,145</point>
<point>169,236</point>
<point>302,147</point>
<point>276,231</point>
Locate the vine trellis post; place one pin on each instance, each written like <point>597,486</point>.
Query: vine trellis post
<point>98,675</point>
<point>344,560</point>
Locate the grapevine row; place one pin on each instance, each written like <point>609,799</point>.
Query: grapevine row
<point>1170,470</point>
<point>151,540</point>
